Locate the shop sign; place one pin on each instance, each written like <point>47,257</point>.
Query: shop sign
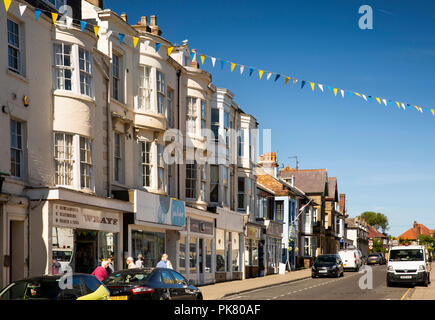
<point>158,209</point>
<point>201,226</point>
<point>83,218</point>
<point>253,233</point>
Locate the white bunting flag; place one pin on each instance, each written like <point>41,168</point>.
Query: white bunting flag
<point>146,43</point>
<point>321,86</point>
<point>213,61</point>
<point>421,110</point>
<point>241,69</point>
<point>403,106</point>
<point>108,34</point>
<point>385,101</point>
<point>342,93</point>
<point>364,96</point>
<point>69,22</point>
<point>269,74</point>
<point>22,9</point>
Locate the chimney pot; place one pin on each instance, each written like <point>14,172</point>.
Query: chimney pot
<point>143,21</point>
<point>153,20</point>
<point>124,17</point>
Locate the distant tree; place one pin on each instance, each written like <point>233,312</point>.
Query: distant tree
<point>377,246</point>
<point>375,219</point>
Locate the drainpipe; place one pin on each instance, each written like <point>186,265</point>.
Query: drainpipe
<point>178,127</point>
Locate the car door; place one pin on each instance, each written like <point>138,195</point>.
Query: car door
<point>183,287</point>
<point>168,285</point>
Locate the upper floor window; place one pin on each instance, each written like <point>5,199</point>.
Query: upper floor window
<point>17,149</point>
<point>116,77</point>
<point>214,125</point>
<point>169,108</point>
<point>85,71</point>
<point>119,157</point>
<point>214,183</point>
<point>64,159</point>
<point>63,66</point>
<point>145,88</point>
<point>241,194</point>
<point>161,92</point>
<point>279,210</point>
<point>14,47</point>
<point>56,3</point>
<point>145,163</point>
<point>203,117</point>
<point>225,185</point>
<point>191,115</point>
<point>85,163</point>
<point>203,182</point>
<point>191,180</point>
<point>160,168</point>
<point>241,143</point>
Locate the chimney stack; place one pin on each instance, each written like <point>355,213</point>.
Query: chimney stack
<point>342,203</point>
<point>153,24</point>
<point>268,163</point>
<point>142,25</point>
<point>415,224</point>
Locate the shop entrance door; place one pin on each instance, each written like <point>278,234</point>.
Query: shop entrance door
<point>16,268</point>
<point>201,260</point>
<point>85,251</point>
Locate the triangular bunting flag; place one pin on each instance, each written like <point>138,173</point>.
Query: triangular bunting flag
<point>96,29</point>
<point>433,112</point>
<point>22,9</point>
<point>421,110</point>
<point>321,86</point>
<point>370,98</point>
<point>170,51</point>
<point>83,25</point>
<point>277,77</point>
<point>416,108</point>
<point>364,96</point>
<point>312,85</point>
<point>357,94</point>
<point>260,73</point>
<point>7,4</point>
<point>192,56</point>
<point>398,104</point>
<point>335,91</point>
<point>403,106</point>
<point>202,58</point>
<point>37,14</point>
<point>54,17</point>
<point>135,41</point>
<point>158,46</point>
<point>303,84</point>
<point>384,101</point>
<point>329,88</point>
<point>222,64</point>
<point>379,100</point>
<point>286,80</point>
<point>251,70</point>
<point>342,93</point>
<point>350,94</point>
<point>269,74</point>
<point>213,61</point>
<point>121,37</point>
<point>390,102</point>
<point>233,65</point>
<point>242,68</point>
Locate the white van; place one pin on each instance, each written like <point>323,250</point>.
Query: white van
<point>351,258</point>
<point>408,264</point>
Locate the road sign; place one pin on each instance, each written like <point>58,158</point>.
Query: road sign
<point>370,247</point>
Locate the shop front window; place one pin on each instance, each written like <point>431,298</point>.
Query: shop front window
<point>107,245</point>
<point>228,236</point>
<point>182,255</point>
<point>192,254</point>
<point>254,252</point>
<point>220,250</point>
<point>248,257</point>
<point>236,250</point>
<point>150,244</point>
<point>208,255</point>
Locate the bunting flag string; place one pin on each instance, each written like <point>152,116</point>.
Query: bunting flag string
<point>96,29</point>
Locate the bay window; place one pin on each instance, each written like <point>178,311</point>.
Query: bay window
<point>203,117</point>
<point>161,92</point>
<point>63,156</point>
<point>215,123</point>
<point>214,183</point>
<point>85,163</point>
<point>191,115</point>
<point>85,72</point>
<point>145,88</point>
<point>160,168</point>
<point>63,66</point>
<point>145,163</point>
<point>241,143</point>
<point>191,180</point>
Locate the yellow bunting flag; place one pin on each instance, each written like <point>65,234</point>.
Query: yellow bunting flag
<point>357,94</point>
<point>202,58</point>
<point>398,104</point>
<point>233,65</point>
<point>433,112</point>
<point>96,29</point>
<point>379,100</point>
<point>335,91</point>
<point>54,17</point>
<point>312,85</point>
<point>260,73</point>
<point>170,50</point>
<point>7,4</point>
<point>286,79</point>
<point>135,41</point>
<point>417,108</point>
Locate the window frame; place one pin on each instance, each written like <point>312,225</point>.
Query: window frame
<point>19,69</point>
<point>20,141</point>
<point>146,85</point>
<point>161,92</point>
<point>87,73</point>
<point>143,153</point>
<point>191,115</point>
<point>62,67</point>
<point>119,157</point>
<point>241,194</point>
<point>117,78</point>
<point>87,162</point>
<point>193,180</point>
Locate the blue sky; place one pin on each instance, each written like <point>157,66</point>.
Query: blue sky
<point>383,157</point>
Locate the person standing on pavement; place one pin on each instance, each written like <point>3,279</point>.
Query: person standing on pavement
<point>110,268</point>
<point>164,263</point>
<point>130,263</point>
<point>101,271</point>
<point>140,261</point>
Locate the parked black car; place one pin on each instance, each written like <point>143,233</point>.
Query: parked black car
<point>47,287</point>
<point>150,284</point>
<point>327,265</point>
<point>376,258</point>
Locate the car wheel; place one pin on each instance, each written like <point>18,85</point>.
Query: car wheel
<point>337,274</point>
<point>389,284</point>
<point>426,281</point>
<point>199,297</point>
<point>165,296</point>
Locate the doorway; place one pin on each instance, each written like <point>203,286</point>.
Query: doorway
<point>16,233</point>
<point>85,251</point>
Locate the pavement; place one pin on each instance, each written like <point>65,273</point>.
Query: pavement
<point>220,290</point>
<point>425,293</point>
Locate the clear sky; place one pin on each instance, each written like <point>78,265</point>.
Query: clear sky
<point>383,157</point>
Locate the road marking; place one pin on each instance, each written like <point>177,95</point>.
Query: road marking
<point>404,296</point>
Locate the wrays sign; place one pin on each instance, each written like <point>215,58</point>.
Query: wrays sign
<point>83,218</point>
<point>155,208</point>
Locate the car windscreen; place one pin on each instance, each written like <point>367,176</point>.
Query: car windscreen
<point>120,278</point>
<point>322,259</point>
<point>44,289</point>
<point>407,255</point>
